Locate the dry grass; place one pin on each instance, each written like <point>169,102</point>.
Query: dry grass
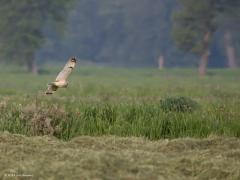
<point>42,120</point>
<point>119,158</point>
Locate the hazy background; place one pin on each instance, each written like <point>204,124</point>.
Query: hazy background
<point>126,33</point>
<point>135,107</point>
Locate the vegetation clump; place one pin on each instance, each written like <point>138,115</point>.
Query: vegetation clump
<point>178,104</point>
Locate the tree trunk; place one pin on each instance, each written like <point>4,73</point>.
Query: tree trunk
<point>32,67</point>
<point>204,57</point>
<point>161,62</point>
<point>203,64</point>
<point>230,51</point>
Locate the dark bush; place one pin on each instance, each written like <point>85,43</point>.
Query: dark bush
<point>178,104</point>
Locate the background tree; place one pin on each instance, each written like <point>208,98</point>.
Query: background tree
<point>121,32</point>
<point>21,26</point>
<point>132,33</point>
<point>230,28</point>
<point>196,23</point>
<point>194,27</point>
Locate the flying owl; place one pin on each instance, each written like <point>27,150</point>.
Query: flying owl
<point>61,80</point>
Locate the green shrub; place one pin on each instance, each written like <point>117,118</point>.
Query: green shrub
<point>178,104</point>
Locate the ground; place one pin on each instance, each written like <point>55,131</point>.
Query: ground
<point>110,124</point>
<point>111,157</point>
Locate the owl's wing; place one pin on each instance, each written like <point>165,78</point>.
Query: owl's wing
<point>66,71</point>
<point>51,89</point>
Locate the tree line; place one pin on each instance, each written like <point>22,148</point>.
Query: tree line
<point>135,33</point>
<point>22,24</point>
<point>198,21</point>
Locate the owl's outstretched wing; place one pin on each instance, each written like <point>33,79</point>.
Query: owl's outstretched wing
<point>62,76</point>
<point>66,71</point>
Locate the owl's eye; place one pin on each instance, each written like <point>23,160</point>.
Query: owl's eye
<point>73,59</point>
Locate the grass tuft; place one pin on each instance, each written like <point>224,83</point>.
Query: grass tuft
<point>178,104</point>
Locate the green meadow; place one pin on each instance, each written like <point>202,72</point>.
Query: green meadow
<point>122,102</point>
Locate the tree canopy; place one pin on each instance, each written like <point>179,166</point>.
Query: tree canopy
<point>127,33</point>
<point>198,21</point>
<point>121,32</point>
<point>22,23</point>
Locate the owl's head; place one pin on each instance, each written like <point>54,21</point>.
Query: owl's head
<point>72,62</point>
<point>74,59</point>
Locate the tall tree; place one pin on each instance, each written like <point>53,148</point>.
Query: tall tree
<point>230,26</point>
<point>230,50</point>
<point>194,26</point>
<point>21,26</point>
<point>196,23</point>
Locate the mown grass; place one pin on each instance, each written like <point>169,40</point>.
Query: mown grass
<point>122,102</point>
<point>111,157</point>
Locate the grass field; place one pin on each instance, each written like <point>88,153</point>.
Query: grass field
<point>119,158</point>
<point>102,101</point>
<point>110,103</point>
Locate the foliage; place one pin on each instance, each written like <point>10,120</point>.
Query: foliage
<point>22,24</point>
<point>198,17</point>
<point>121,32</point>
<point>124,33</point>
<point>178,104</point>
<point>191,23</point>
